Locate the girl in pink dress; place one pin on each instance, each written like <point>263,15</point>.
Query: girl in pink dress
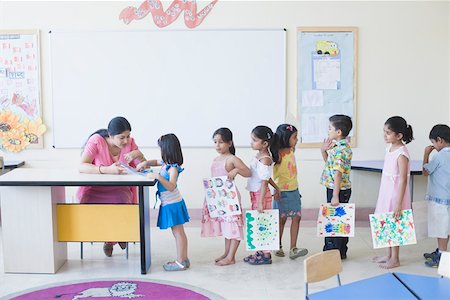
<point>394,195</point>
<point>103,153</point>
<point>230,227</point>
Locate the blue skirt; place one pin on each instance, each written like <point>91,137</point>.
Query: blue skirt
<point>290,204</point>
<point>172,214</point>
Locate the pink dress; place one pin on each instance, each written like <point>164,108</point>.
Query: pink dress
<point>230,227</point>
<point>389,187</point>
<point>97,148</point>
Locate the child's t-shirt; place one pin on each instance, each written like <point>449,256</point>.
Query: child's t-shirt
<point>260,172</point>
<point>439,180</point>
<point>285,173</point>
<point>339,159</point>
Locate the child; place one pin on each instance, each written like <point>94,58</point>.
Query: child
<point>285,177</point>
<point>231,227</point>
<point>257,184</point>
<point>394,195</point>
<point>337,154</point>
<point>438,192</point>
<point>172,212</point>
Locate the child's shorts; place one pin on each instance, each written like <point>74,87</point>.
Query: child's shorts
<point>290,204</point>
<point>267,202</point>
<point>438,220</point>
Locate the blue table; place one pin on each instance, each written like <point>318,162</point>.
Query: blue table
<point>385,286</point>
<point>426,287</point>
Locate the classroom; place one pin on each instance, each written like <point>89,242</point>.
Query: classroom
<point>401,68</point>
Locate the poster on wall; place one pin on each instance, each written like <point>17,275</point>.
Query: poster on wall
<point>388,231</point>
<point>20,91</point>
<point>221,197</point>
<point>336,220</point>
<point>262,230</point>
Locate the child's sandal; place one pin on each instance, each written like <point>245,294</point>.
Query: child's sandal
<point>261,260</point>
<point>251,256</point>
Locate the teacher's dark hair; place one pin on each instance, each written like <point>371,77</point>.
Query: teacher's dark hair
<point>170,149</point>
<point>116,126</point>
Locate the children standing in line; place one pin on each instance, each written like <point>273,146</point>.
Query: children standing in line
<point>438,193</point>
<point>337,154</point>
<point>257,185</point>
<point>285,177</point>
<point>231,227</point>
<point>394,195</point>
<point>172,212</point>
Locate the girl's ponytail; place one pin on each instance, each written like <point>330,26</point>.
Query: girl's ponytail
<point>274,148</point>
<point>408,135</point>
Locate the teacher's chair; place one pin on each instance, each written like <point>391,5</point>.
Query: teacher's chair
<point>322,266</point>
<point>444,265</point>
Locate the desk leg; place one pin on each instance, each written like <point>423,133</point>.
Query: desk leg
<point>411,187</point>
<point>30,235</point>
<point>144,226</point>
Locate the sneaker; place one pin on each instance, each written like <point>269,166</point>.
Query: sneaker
<point>297,252</point>
<point>432,254</point>
<point>279,253</point>
<point>108,249</point>
<point>123,245</point>
<point>174,266</point>
<point>186,263</point>
<point>433,262</point>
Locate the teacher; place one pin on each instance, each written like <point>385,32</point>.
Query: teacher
<point>103,153</point>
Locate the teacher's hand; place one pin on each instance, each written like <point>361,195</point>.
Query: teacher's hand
<point>130,156</point>
<point>115,168</point>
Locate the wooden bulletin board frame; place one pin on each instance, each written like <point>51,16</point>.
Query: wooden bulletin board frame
<point>327,60</point>
<point>21,92</point>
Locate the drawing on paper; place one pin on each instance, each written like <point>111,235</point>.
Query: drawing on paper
<point>336,221</point>
<point>262,230</point>
<point>221,197</point>
<point>388,231</point>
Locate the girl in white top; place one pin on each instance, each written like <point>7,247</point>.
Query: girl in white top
<point>260,195</point>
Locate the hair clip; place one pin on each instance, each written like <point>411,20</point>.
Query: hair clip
<point>268,135</point>
<point>289,127</point>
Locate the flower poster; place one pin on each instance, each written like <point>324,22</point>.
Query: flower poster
<point>20,103</point>
<point>336,220</point>
<point>262,230</point>
<point>221,197</point>
<point>388,231</point>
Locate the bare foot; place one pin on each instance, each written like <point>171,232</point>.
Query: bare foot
<point>220,258</point>
<point>380,259</point>
<point>225,262</point>
<point>390,264</point>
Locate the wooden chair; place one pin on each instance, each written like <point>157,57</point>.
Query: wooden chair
<point>444,265</point>
<point>322,266</point>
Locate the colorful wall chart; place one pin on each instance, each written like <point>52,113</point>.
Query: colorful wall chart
<point>20,99</point>
<point>221,197</point>
<point>262,230</point>
<point>388,231</point>
<point>336,220</point>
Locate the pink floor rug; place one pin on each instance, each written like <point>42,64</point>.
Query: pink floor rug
<point>117,289</point>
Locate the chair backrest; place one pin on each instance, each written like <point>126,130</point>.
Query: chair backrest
<point>444,265</point>
<point>322,266</point>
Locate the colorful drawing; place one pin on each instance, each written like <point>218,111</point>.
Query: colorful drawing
<point>221,197</point>
<point>163,18</point>
<point>262,230</point>
<point>388,231</point>
<point>327,48</point>
<point>336,220</point>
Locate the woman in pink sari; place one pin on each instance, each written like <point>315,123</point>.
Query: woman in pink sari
<point>103,153</point>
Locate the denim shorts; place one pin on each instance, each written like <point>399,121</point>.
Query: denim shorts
<point>290,204</point>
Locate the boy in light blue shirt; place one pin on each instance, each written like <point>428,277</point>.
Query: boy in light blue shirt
<point>438,192</point>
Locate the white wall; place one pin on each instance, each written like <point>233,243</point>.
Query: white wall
<point>403,70</point>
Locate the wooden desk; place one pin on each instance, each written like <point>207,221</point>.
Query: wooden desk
<point>377,167</point>
<point>28,201</point>
<point>426,287</point>
<point>385,286</point>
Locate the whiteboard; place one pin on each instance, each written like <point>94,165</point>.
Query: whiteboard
<point>186,82</point>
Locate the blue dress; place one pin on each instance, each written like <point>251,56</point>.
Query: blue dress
<point>173,210</point>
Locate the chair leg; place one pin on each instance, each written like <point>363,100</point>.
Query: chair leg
<point>339,279</point>
<point>306,290</point>
<point>81,248</point>
<point>126,251</point>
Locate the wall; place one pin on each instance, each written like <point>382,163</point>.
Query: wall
<point>403,70</point>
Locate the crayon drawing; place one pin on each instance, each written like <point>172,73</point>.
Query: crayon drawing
<point>336,220</point>
<point>221,197</point>
<point>388,231</point>
<point>262,230</point>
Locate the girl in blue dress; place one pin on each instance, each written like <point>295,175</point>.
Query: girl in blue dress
<point>172,212</point>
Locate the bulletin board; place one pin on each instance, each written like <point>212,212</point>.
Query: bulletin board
<point>20,79</point>
<point>327,60</point>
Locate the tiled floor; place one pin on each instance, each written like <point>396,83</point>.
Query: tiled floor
<point>281,280</point>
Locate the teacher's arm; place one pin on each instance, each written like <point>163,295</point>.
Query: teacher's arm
<point>86,166</point>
